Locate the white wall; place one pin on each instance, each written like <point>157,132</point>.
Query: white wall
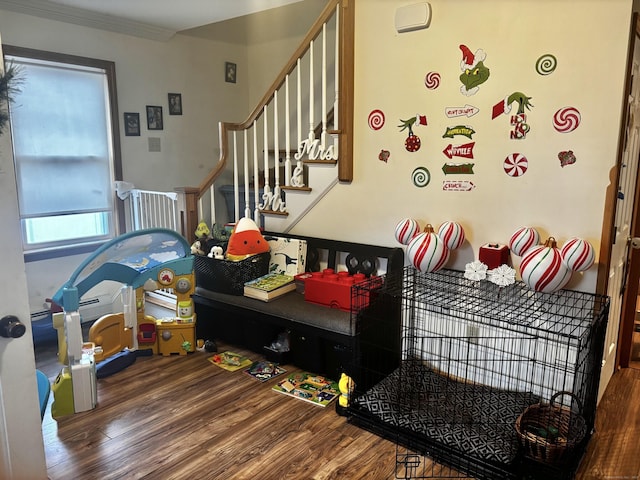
<point>590,44</point>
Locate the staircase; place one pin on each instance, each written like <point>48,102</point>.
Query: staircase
<point>296,144</point>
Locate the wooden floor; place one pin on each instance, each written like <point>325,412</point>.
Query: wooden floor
<point>182,417</point>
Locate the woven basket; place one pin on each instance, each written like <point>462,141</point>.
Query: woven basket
<point>548,433</point>
<point>227,276</point>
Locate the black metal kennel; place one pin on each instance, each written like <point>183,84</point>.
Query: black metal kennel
<point>452,370</point>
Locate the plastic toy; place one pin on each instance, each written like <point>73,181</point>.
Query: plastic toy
<point>246,240</point>
<point>142,260</point>
<point>331,289</point>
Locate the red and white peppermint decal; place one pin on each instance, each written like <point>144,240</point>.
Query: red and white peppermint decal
<point>515,165</point>
<point>566,119</point>
<point>432,80</point>
<point>376,119</point>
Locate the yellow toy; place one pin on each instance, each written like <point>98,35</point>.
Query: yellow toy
<point>346,386</point>
<point>202,230</point>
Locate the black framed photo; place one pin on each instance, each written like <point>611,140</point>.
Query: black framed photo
<point>132,124</point>
<point>175,104</point>
<point>229,72</point>
<point>154,117</point>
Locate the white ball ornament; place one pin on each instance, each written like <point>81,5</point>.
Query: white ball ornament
<point>542,268</point>
<point>427,252</point>
<point>406,229</point>
<point>452,234</point>
<point>523,239</point>
<point>578,254</point>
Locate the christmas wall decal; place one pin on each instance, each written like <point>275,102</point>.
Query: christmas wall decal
<point>566,158</point>
<point>432,80</point>
<point>566,119</point>
<point>376,119</point>
<point>474,72</point>
<point>464,151</point>
<point>546,64</point>
<point>466,111</point>
<point>515,165</point>
<point>412,142</point>
<point>420,177</point>
<point>464,130</point>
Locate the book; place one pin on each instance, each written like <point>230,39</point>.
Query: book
<point>230,361</point>
<point>269,286</point>
<point>309,387</point>
<point>264,370</point>
<point>288,255</point>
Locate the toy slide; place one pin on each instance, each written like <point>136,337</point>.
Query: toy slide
<point>142,260</point>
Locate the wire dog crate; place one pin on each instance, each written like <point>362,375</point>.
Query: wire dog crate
<point>467,361</point>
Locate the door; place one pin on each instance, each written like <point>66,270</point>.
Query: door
<point>624,269</point>
<point>21,445</point>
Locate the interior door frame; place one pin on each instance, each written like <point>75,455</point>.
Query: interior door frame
<point>629,296</point>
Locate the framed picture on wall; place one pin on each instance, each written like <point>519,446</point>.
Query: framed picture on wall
<point>229,72</point>
<point>154,117</point>
<point>175,104</point>
<point>132,124</point>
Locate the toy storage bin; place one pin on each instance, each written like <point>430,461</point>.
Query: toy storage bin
<point>226,276</point>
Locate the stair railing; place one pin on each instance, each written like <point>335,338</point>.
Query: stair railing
<point>271,149</point>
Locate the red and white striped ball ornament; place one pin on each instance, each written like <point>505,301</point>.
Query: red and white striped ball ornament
<point>406,229</point>
<point>452,234</point>
<point>427,252</point>
<point>578,254</point>
<point>542,268</point>
<point>523,239</point>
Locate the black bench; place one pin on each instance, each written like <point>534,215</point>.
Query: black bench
<point>322,339</point>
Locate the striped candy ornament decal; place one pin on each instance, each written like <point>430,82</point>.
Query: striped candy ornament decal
<point>578,254</point>
<point>427,252</point>
<point>523,239</point>
<point>452,234</point>
<point>543,270</point>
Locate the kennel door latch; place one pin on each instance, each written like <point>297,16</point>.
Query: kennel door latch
<point>635,242</point>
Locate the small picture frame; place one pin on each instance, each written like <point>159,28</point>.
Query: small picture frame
<point>230,72</point>
<point>175,104</point>
<point>154,117</point>
<point>132,124</point>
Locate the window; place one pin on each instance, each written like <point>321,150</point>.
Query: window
<point>66,151</point>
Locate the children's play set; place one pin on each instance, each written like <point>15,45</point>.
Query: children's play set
<point>145,260</point>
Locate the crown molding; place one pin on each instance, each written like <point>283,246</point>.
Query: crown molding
<point>86,18</point>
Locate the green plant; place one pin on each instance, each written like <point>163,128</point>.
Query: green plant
<point>10,81</point>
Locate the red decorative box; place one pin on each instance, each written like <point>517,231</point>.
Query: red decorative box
<point>493,255</point>
<point>331,289</point>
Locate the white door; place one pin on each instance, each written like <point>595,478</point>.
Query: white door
<point>624,216</point>
<point>21,444</point>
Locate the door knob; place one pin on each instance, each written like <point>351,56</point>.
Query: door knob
<point>635,242</point>
<point>11,327</point>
